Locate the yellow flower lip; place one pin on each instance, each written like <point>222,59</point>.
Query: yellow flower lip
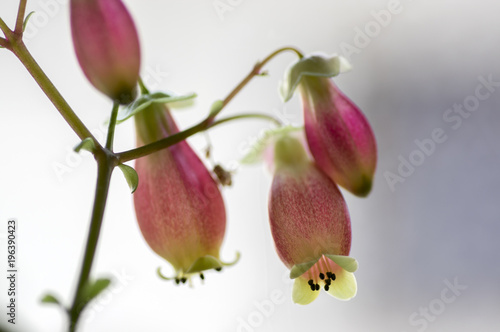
<point>333,273</point>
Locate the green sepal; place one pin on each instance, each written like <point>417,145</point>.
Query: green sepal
<point>50,299</point>
<point>312,65</point>
<point>146,100</point>
<point>86,144</point>
<point>299,269</point>
<point>216,107</point>
<point>25,23</point>
<point>347,263</point>
<point>204,263</point>
<point>93,288</point>
<point>131,176</point>
<point>270,136</point>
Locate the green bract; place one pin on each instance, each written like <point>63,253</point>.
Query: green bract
<point>312,65</point>
<point>146,100</point>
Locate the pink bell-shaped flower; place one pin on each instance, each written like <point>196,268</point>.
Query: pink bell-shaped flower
<point>178,204</point>
<point>310,225</point>
<point>338,134</point>
<point>107,46</point>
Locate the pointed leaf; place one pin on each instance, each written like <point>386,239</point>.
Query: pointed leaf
<point>87,144</point>
<point>171,99</point>
<point>94,288</point>
<point>137,106</point>
<point>25,23</point>
<point>347,263</point>
<point>49,298</point>
<point>313,65</point>
<point>131,176</point>
<point>216,107</point>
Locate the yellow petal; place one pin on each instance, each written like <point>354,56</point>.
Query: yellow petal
<point>302,293</point>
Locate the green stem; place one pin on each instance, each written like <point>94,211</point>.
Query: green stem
<point>247,116</point>
<point>112,126</point>
<point>254,72</point>
<point>20,50</point>
<point>5,29</point>
<point>105,166</point>
<point>205,124</point>
<point>20,18</point>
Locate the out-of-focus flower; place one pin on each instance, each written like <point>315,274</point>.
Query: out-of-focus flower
<point>178,204</point>
<point>310,225</point>
<point>338,134</point>
<point>107,46</point>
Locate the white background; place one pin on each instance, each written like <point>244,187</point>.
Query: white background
<point>441,224</point>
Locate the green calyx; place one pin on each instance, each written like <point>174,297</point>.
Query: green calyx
<point>289,152</point>
<point>315,65</point>
<point>202,264</point>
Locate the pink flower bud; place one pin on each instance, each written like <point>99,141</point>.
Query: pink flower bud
<point>178,204</point>
<point>310,226</point>
<point>338,134</point>
<point>107,46</point>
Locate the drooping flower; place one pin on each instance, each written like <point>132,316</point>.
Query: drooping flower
<point>107,46</point>
<point>338,134</point>
<point>310,225</point>
<point>179,207</point>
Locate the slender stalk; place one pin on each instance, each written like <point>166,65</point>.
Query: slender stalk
<point>254,72</point>
<point>205,124</point>
<point>20,18</point>
<point>5,29</point>
<point>20,50</point>
<point>247,116</point>
<point>112,126</point>
<point>105,166</point>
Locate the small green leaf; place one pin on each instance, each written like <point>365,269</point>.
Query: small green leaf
<point>347,263</point>
<point>49,298</point>
<point>145,101</point>
<point>87,144</point>
<point>313,65</point>
<point>94,288</point>
<point>300,269</point>
<point>257,150</point>
<point>137,106</point>
<point>25,23</point>
<point>131,176</point>
<point>216,107</point>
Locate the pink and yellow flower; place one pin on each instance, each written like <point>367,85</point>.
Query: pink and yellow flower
<point>178,204</point>
<point>310,225</point>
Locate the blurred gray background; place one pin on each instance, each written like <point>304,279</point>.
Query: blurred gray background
<point>426,238</point>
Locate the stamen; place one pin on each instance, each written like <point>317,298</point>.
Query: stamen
<point>321,276</point>
<point>328,281</point>
<point>317,287</point>
<point>310,282</point>
<point>177,281</point>
<point>183,280</point>
<point>218,269</point>
<point>202,276</point>
<point>327,288</point>
<point>313,287</point>
<point>333,276</point>
<point>329,275</point>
